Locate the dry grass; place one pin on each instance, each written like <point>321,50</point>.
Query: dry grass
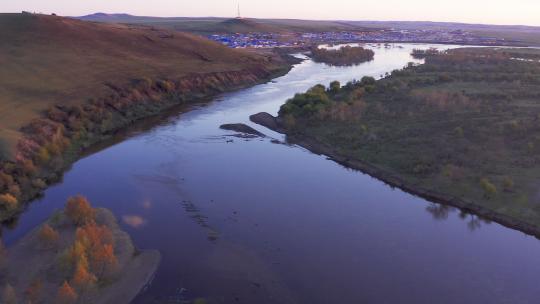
<point>49,60</point>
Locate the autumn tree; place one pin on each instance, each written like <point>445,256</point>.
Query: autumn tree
<point>99,245</point>
<point>73,256</point>
<point>104,260</point>
<point>91,235</point>
<point>79,210</point>
<point>66,294</point>
<point>48,236</point>
<point>82,279</point>
<point>9,296</point>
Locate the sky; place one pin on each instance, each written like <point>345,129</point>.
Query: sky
<point>525,12</point>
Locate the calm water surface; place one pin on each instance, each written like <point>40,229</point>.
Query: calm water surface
<point>250,221</point>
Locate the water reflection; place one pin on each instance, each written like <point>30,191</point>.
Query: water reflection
<point>441,212</point>
<point>134,221</point>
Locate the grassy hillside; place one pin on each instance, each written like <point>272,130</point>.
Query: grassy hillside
<point>463,129</point>
<point>225,25</point>
<point>50,60</point>
<point>66,84</point>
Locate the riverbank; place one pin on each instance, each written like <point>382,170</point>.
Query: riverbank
<point>53,113</point>
<point>56,132</point>
<point>393,180</point>
<point>455,130</point>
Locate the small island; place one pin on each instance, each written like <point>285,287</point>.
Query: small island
<point>344,56</point>
<point>79,255</point>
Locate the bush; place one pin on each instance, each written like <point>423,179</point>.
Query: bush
<point>489,189</point>
<point>508,184</point>
<point>8,201</point>
<point>48,236</point>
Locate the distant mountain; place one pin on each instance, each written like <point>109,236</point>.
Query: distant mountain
<point>105,17</point>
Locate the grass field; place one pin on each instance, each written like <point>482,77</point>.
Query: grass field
<point>464,127</point>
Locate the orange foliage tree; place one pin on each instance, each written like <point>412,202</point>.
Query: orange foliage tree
<point>103,260</point>
<point>82,279</point>
<point>78,209</point>
<point>66,294</point>
<point>98,243</point>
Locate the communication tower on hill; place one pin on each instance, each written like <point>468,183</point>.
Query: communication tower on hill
<point>238,15</point>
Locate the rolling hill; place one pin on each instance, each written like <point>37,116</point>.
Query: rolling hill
<point>66,84</point>
<point>209,25</point>
<point>205,26</point>
<point>50,60</point>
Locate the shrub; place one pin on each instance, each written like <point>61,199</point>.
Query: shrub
<point>508,184</point>
<point>8,201</point>
<point>14,190</point>
<point>48,236</point>
<point>489,189</point>
<point>39,183</point>
<point>43,156</point>
<point>79,210</point>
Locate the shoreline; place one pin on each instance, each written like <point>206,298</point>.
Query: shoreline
<point>192,89</point>
<point>394,181</point>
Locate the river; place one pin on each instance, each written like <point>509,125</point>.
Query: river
<point>252,221</point>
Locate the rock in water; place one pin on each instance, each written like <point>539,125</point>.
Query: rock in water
<point>242,128</point>
<point>266,120</point>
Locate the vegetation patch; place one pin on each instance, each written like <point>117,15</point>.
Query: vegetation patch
<point>344,56</point>
<point>464,128</point>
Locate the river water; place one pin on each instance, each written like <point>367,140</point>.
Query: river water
<point>251,221</point>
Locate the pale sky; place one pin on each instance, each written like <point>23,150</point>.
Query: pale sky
<point>526,12</point>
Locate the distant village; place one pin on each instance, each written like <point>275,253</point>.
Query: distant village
<point>272,40</point>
